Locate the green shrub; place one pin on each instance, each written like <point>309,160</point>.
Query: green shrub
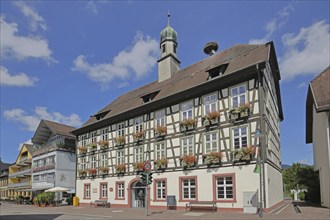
<point>301,196</point>
<point>69,201</point>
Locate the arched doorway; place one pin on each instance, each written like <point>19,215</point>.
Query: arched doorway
<point>137,195</point>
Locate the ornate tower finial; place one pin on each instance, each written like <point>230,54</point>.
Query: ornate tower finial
<point>168,18</point>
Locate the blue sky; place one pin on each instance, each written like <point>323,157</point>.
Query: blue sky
<point>65,60</point>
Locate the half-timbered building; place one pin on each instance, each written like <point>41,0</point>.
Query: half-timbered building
<point>197,126</point>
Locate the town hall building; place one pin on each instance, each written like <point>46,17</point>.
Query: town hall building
<point>207,130</point>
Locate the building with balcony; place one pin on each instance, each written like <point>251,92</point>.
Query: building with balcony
<point>4,171</point>
<point>318,129</point>
<point>54,158</point>
<point>197,126</point>
<point>19,177</point>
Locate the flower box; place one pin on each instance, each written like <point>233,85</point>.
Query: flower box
<point>187,125</point>
<point>213,158</point>
<point>240,113</point>
<point>160,131</point>
<point>103,170</point>
<point>92,172</point>
<point>120,141</point>
<point>161,164</point>
<point>93,147</point>
<point>82,150</point>
<point>243,154</point>
<point>82,174</point>
<point>120,168</point>
<point>103,144</point>
<point>188,161</point>
<point>138,136</point>
<point>138,166</point>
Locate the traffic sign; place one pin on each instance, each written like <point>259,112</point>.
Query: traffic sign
<point>147,166</point>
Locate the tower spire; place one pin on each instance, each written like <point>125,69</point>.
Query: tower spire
<point>168,18</point>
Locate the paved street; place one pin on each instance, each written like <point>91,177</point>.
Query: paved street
<point>29,212</point>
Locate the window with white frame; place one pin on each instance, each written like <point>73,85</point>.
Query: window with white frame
<point>93,162</point>
<point>239,137</point>
<point>93,137</point>
<point>210,103</point>
<point>211,142</point>
<point>161,189</point>
<point>138,122</point>
<point>120,157</point>
<point>225,187</point>
<point>188,189</point>
<point>87,191</point>
<point>238,95</point>
<point>121,129</point>
<point>187,110</point>
<point>187,146</point>
<point>36,178</point>
<point>138,153</point>
<point>160,151</point>
<point>83,165</point>
<point>104,191</point>
<point>104,134</point>
<point>160,118</point>
<point>104,160</point>
<point>120,190</point>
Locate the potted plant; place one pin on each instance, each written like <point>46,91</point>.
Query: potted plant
<point>103,145</point>
<point>212,158</point>
<point>160,131</point>
<point>120,168</point>
<point>104,170</point>
<point>188,124</point>
<point>138,166</point>
<point>211,118</point>
<point>161,163</point>
<point>82,149</point>
<point>138,136</point>
<point>93,147</point>
<point>120,140</point>
<point>188,161</point>
<point>92,172</point>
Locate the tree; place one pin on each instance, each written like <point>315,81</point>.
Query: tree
<point>302,177</point>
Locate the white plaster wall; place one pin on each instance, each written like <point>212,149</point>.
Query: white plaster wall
<point>245,180</point>
<point>273,186</point>
<point>322,153</point>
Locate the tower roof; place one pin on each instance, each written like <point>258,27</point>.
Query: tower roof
<point>168,33</point>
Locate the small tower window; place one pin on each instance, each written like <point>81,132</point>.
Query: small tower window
<point>163,48</point>
<point>174,48</point>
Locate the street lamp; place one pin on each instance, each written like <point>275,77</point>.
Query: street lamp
<point>259,135</point>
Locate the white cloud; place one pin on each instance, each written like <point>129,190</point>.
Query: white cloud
<point>273,25</point>
<point>30,122</point>
<point>20,79</point>
<point>35,20</point>
<point>21,47</point>
<point>25,142</point>
<point>91,6</point>
<point>134,62</point>
<point>302,85</point>
<point>306,53</point>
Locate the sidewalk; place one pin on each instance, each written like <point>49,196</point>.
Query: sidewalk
<point>285,212</point>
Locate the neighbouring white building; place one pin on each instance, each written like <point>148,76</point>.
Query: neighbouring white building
<point>54,157</point>
<point>196,125</point>
<point>317,129</point>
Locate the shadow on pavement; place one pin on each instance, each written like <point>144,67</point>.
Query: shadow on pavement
<point>305,204</point>
<point>30,217</point>
<point>155,213</point>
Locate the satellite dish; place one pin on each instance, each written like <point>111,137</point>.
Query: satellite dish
<point>210,48</point>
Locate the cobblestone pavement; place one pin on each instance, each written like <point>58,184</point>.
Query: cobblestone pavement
<point>29,212</point>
